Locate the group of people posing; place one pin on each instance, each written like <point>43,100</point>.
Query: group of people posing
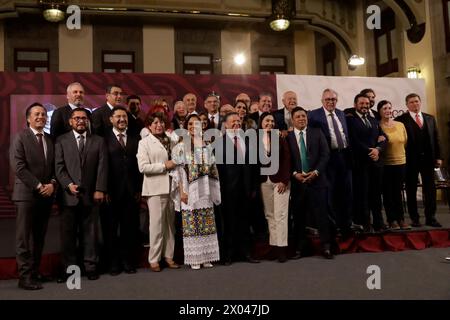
<point>334,171</point>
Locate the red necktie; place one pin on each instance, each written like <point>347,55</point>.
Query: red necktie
<point>237,146</point>
<point>418,121</point>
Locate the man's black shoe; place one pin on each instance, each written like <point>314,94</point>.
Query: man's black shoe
<point>129,269</point>
<point>434,223</point>
<point>416,224</point>
<point>28,284</point>
<point>249,259</point>
<point>92,275</point>
<point>296,256</point>
<point>327,254</point>
<point>62,278</point>
<point>41,278</point>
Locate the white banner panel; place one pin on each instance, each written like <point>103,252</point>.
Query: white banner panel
<point>309,89</point>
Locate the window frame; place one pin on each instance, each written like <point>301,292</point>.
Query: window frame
<point>391,66</point>
<point>198,67</point>
<point>32,64</point>
<point>272,69</point>
<point>445,7</point>
<point>118,66</point>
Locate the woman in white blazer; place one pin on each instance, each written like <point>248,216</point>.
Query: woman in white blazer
<point>154,162</point>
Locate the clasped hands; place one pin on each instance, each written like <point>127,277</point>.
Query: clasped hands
<point>306,177</point>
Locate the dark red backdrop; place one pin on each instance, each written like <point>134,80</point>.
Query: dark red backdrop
<point>227,86</point>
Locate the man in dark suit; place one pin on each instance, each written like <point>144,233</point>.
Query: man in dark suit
<point>367,141</point>
<point>309,186</point>
<point>135,122</point>
<point>369,93</point>
<point>81,164</point>
<point>423,154</point>
<point>333,125</point>
<point>124,197</point>
<point>59,123</point>
<point>238,183</point>
<point>32,158</point>
<point>265,105</point>
<point>212,103</point>
<point>100,116</point>
<point>282,116</point>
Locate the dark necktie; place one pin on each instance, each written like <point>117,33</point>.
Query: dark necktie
<point>212,121</point>
<point>121,141</point>
<point>337,133</point>
<point>303,154</point>
<point>366,121</point>
<point>81,144</point>
<point>41,143</point>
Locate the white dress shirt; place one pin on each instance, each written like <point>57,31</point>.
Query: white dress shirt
<point>334,144</point>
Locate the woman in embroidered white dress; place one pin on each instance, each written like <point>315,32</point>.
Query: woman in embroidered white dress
<point>195,190</point>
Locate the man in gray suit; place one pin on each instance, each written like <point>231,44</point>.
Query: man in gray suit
<point>81,169</point>
<point>32,158</point>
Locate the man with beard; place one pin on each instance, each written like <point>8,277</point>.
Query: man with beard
<point>81,168</point>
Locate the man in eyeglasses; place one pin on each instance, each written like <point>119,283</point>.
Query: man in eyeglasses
<point>81,167</point>
<point>100,117</point>
<point>334,126</point>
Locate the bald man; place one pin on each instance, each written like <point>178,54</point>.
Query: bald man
<point>282,116</point>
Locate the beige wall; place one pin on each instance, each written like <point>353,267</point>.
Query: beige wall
<point>235,42</point>
<point>75,49</point>
<point>305,54</point>
<point>159,49</point>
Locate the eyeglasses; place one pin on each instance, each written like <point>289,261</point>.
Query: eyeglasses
<point>78,119</point>
<point>115,93</point>
<point>331,99</point>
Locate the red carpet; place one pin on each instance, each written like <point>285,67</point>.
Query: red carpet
<point>412,240</point>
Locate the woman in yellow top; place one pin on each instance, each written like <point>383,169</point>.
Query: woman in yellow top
<point>394,166</point>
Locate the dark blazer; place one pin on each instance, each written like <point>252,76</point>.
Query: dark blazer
<point>363,138</point>
<point>235,177</point>
<point>100,120</point>
<point>123,165</point>
<point>318,155</point>
<point>91,172</point>
<point>284,160</point>
<point>59,123</point>
<point>317,119</point>
<point>279,119</point>
<point>431,127</point>
<point>30,167</point>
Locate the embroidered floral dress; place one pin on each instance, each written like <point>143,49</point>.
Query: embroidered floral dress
<point>197,172</point>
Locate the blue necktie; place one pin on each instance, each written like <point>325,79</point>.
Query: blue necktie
<point>303,155</point>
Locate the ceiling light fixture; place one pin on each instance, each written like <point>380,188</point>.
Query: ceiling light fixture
<point>53,11</point>
<point>282,12</point>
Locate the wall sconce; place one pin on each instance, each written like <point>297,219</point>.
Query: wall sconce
<point>413,72</point>
<point>355,61</point>
<point>282,12</point>
<point>53,11</point>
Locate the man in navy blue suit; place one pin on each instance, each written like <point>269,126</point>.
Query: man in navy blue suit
<point>367,141</point>
<point>333,125</point>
